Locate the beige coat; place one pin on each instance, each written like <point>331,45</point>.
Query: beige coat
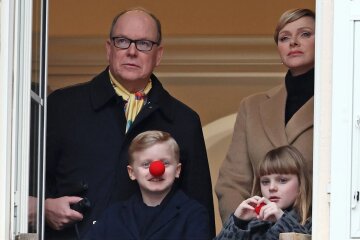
<point>260,127</point>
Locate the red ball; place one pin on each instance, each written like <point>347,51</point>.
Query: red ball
<point>258,208</point>
<point>157,168</point>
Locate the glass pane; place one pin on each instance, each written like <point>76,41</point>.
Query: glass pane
<point>33,168</point>
<point>36,121</point>
<point>36,46</point>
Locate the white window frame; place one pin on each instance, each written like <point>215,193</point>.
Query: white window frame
<point>6,78</point>
<point>21,113</point>
<point>343,122</point>
<point>15,103</point>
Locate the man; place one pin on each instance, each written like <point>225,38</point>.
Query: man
<point>90,127</point>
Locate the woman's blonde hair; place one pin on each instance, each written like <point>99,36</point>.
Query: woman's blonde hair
<point>288,160</point>
<point>291,16</point>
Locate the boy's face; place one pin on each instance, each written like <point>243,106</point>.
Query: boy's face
<point>139,170</point>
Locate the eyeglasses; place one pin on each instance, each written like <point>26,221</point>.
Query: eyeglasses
<point>141,45</point>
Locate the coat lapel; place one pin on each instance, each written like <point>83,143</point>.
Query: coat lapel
<point>145,112</point>
<point>128,217</point>
<point>272,114</point>
<point>171,210</point>
<point>302,120</point>
<point>103,93</point>
<point>158,100</point>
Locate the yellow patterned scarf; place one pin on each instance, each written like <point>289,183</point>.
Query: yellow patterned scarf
<point>134,101</point>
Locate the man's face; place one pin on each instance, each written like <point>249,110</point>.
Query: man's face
<point>132,68</point>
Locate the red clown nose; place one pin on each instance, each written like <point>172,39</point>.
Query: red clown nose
<point>157,168</point>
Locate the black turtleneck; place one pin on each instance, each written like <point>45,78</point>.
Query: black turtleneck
<point>299,90</point>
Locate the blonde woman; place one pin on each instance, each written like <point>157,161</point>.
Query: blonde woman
<point>278,117</point>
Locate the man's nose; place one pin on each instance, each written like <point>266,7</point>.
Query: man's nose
<point>132,50</point>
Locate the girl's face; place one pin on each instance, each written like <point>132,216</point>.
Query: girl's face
<point>296,45</point>
<point>282,189</point>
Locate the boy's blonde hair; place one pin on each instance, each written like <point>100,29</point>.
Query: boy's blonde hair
<point>288,160</point>
<point>150,138</point>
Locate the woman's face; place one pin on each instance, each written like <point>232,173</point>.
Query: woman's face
<point>296,45</point>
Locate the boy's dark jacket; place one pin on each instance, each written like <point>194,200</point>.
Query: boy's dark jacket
<point>181,218</point>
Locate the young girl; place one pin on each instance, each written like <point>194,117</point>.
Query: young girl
<point>285,206</point>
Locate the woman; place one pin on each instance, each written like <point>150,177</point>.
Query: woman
<point>285,206</point>
<point>280,116</point>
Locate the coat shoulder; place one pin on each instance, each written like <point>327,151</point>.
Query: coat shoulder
<point>257,98</point>
<point>182,106</point>
<point>189,204</point>
<point>261,96</point>
<point>69,93</point>
<point>78,90</point>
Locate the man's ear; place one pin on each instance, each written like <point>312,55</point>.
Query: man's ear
<point>178,170</point>
<point>108,49</point>
<point>159,54</point>
<point>131,172</point>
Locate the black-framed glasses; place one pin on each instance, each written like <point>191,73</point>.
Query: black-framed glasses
<point>141,45</point>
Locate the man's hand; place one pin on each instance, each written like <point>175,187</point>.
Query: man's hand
<point>32,214</point>
<point>58,213</point>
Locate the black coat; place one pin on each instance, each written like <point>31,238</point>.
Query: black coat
<point>86,141</point>
<point>180,219</point>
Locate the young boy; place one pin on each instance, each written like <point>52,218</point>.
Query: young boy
<point>161,211</point>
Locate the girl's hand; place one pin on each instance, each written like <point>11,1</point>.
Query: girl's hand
<point>246,210</point>
<point>269,212</point>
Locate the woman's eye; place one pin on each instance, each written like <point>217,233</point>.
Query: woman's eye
<point>306,34</point>
<point>283,38</point>
<point>166,163</point>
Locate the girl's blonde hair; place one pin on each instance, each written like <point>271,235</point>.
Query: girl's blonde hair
<point>288,160</point>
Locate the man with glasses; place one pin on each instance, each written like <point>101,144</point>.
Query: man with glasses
<point>90,127</point>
